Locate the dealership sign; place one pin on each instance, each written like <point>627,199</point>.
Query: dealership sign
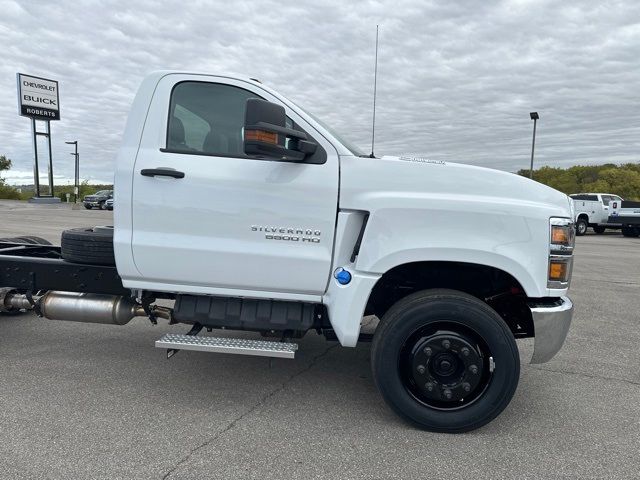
<point>38,98</point>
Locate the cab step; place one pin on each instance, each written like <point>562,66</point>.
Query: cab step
<point>238,346</point>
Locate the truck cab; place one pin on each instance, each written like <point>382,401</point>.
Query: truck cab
<point>251,214</point>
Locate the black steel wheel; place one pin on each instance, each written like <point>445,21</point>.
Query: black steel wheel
<point>445,365</point>
<point>581,226</point>
<point>445,361</point>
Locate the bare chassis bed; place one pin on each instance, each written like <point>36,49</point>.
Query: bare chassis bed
<point>33,268</point>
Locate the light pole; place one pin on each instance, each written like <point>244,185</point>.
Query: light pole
<point>534,116</point>
<point>76,189</point>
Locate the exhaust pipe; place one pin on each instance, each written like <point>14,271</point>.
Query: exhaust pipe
<point>85,307</point>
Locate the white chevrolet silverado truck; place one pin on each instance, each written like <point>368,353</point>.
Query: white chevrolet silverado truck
<point>251,214</point>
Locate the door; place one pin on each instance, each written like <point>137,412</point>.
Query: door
<point>224,220</point>
<point>606,207</point>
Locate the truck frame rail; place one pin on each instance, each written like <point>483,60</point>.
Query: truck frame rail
<point>34,268</point>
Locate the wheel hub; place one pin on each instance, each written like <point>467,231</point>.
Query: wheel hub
<point>447,368</point>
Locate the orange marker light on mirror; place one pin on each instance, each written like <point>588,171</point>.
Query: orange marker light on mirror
<point>261,136</point>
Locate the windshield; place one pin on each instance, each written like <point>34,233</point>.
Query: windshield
<point>350,146</point>
<point>103,192</point>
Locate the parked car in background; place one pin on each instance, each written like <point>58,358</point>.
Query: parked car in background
<point>109,204</point>
<point>98,199</point>
<point>592,210</point>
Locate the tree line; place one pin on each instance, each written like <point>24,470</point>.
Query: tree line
<point>622,180</point>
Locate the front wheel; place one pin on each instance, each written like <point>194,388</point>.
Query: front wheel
<point>581,226</point>
<point>445,361</point>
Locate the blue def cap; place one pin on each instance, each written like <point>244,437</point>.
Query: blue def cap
<point>342,276</point>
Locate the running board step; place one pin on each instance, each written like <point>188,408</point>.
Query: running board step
<point>238,346</point>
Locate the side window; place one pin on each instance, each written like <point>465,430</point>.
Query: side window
<point>207,118</point>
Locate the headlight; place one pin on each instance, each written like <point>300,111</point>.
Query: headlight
<point>562,237</point>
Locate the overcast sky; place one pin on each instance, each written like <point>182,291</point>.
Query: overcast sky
<point>456,79</point>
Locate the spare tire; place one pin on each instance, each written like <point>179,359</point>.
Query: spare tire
<point>28,239</point>
<point>93,245</point>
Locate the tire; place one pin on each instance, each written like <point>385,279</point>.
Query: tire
<point>631,232</point>
<point>599,230</point>
<point>456,316</point>
<point>93,245</point>
<point>581,226</point>
<point>88,207</point>
<point>28,239</point>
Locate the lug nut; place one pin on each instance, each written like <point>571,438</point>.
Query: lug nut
<point>466,387</point>
<point>428,351</point>
<point>421,369</point>
<point>465,351</point>
<point>473,369</point>
<point>447,394</point>
<point>446,344</point>
<point>429,386</point>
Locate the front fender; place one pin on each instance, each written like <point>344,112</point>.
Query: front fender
<point>520,271</point>
<point>515,244</point>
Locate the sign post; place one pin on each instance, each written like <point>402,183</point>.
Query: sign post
<point>39,99</point>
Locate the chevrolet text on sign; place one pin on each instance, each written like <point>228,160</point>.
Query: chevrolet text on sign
<point>38,97</point>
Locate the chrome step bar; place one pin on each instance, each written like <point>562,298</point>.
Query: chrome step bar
<point>238,346</point>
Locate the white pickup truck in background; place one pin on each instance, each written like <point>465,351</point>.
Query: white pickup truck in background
<point>592,210</point>
<point>626,213</point>
<point>248,213</point>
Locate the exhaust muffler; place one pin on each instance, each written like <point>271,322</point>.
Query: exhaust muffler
<point>84,307</point>
<point>89,308</point>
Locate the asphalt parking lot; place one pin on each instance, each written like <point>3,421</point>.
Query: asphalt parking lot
<point>98,401</point>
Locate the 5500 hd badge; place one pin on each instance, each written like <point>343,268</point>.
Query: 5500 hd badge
<point>309,235</point>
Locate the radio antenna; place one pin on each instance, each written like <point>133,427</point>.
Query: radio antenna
<point>375,85</point>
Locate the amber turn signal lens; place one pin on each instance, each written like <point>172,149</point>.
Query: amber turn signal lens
<point>261,136</point>
<point>560,235</point>
<point>558,271</point>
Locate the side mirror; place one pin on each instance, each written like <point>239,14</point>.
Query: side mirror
<point>266,135</point>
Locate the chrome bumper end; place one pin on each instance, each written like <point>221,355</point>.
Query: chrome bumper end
<point>551,325</point>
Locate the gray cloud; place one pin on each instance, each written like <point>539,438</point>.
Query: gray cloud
<point>456,79</point>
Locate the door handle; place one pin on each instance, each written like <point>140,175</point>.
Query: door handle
<point>161,172</point>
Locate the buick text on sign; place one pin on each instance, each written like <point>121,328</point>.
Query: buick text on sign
<point>38,97</point>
